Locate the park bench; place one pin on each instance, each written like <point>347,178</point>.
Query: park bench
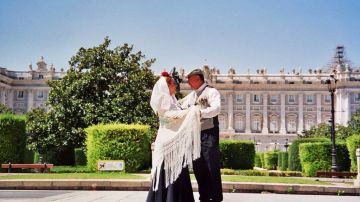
<point>337,174</point>
<point>42,166</point>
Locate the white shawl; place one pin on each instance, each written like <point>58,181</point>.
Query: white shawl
<point>177,142</point>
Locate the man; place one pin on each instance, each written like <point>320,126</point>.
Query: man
<point>207,167</point>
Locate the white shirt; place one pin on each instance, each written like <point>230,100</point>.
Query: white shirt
<point>213,98</point>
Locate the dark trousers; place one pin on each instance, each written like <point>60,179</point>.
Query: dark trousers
<point>207,167</point>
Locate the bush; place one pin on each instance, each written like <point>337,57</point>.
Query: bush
<point>237,154</point>
<point>271,160</point>
<point>80,157</point>
<point>63,157</point>
<point>283,160</point>
<point>12,138</point>
<point>262,158</point>
<point>258,160</point>
<point>130,143</point>
<point>317,156</point>
<point>29,156</point>
<point>294,160</point>
<point>352,143</point>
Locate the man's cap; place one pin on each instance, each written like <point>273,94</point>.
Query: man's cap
<point>195,72</point>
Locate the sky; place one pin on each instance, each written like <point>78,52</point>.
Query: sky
<point>242,34</point>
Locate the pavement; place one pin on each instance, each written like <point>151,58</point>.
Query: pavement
<point>140,196</point>
<point>338,187</point>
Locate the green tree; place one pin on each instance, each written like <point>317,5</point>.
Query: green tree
<point>323,130</point>
<point>354,124</point>
<point>103,85</point>
<point>5,109</point>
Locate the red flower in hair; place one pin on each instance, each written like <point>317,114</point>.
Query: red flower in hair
<point>166,74</point>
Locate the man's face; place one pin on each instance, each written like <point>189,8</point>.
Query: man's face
<point>195,82</point>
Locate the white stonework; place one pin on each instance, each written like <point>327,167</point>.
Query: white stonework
<point>24,90</point>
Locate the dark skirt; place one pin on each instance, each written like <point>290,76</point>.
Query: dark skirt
<point>179,191</point>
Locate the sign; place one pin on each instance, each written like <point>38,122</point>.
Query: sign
<point>111,165</point>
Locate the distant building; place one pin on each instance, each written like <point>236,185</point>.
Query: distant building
<point>24,90</point>
<point>270,108</point>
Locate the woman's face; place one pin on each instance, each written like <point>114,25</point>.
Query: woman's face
<point>172,87</point>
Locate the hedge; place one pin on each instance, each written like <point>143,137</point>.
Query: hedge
<point>283,160</point>
<point>271,160</point>
<point>237,154</point>
<point>130,143</point>
<point>12,138</point>
<point>258,160</point>
<point>353,143</point>
<point>317,157</point>
<point>80,157</point>
<point>294,160</point>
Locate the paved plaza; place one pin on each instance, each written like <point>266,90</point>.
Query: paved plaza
<point>140,196</point>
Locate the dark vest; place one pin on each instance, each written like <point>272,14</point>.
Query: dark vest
<point>207,123</point>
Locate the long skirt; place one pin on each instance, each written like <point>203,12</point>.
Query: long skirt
<point>179,191</point>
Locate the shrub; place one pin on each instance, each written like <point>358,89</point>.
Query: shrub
<point>130,143</point>
<point>12,138</point>
<point>262,158</point>
<point>237,154</point>
<point>352,143</point>
<point>294,160</point>
<point>283,160</point>
<point>80,157</point>
<point>317,156</point>
<point>258,160</point>
<point>271,159</point>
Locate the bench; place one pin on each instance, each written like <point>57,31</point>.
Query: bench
<point>337,174</point>
<point>42,166</point>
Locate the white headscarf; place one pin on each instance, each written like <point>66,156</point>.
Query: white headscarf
<point>160,97</point>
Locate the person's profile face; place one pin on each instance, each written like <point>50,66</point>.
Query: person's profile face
<point>194,81</point>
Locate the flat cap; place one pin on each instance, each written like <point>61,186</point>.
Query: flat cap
<point>195,72</point>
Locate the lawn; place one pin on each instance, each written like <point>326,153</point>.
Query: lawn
<point>272,179</point>
<point>104,175</point>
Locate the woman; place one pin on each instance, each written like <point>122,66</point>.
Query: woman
<point>177,144</point>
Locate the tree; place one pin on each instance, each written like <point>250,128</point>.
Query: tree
<point>5,109</point>
<point>102,85</point>
<point>323,130</point>
<point>354,123</point>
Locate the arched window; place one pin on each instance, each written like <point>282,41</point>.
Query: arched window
<point>256,123</point>
<point>309,122</point>
<point>239,122</point>
<point>274,123</point>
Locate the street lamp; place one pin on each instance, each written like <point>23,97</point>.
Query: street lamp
<point>286,145</point>
<point>332,88</point>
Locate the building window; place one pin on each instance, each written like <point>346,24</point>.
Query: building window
<point>239,123</point>
<point>273,124</point>
<point>40,94</point>
<point>273,99</point>
<point>256,98</point>
<point>291,126</point>
<point>327,98</point>
<point>20,94</point>
<point>309,122</point>
<point>222,99</point>
<point>21,78</point>
<point>256,125</point>
<point>309,99</point>
<point>222,122</point>
<point>357,97</point>
<point>240,98</point>
<point>291,98</point>
<point>41,76</point>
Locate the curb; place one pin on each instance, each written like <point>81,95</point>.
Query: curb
<point>143,185</point>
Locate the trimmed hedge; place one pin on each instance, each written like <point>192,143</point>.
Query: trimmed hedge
<point>237,154</point>
<point>80,157</point>
<point>262,158</point>
<point>258,160</point>
<point>130,143</point>
<point>283,160</point>
<point>353,143</point>
<point>317,157</point>
<point>12,138</point>
<point>294,160</point>
<point>271,160</point>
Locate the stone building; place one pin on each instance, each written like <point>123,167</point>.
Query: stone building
<point>24,90</point>
<point>272,109</point>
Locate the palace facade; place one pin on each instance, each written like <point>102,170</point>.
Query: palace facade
<point>24,90</point>
<point>272,109</point>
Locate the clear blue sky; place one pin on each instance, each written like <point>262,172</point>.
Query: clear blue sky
<point>242,34</point>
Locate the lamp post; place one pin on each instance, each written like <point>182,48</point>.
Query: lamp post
<point>332,88</point>
<point>286,145</point>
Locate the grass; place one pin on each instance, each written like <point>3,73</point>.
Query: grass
<point>271,179</point>
<point>98,175</point>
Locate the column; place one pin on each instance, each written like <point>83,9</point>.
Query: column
<point>2,96</point>
<point>247,123</point>
<point>346,108</point>
<point>282,117</point>
<point>30,101</point>
<point>338,106</point>
<point>231,113</point>
<point>318,108</point>
<point>10,95</point>
<point>265,129</point>
<point>301,114</point>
